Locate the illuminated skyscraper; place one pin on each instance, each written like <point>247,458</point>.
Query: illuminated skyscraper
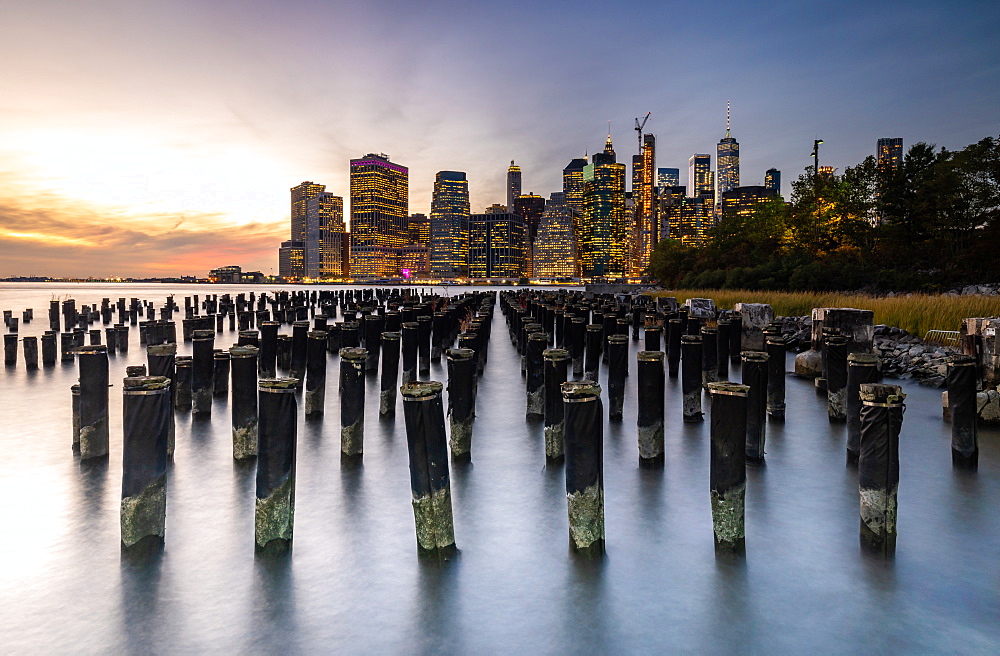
<point>529,207</point>
<point>700,178</point>
<point>743,201</point>
<point>684,218</point>
<point>603,238</point>
<point>418,230</point>
<point>379,207</point>
<point>300,194</point>
<point>554,253</point>
<point>772,180</point>
<point>513,184</point>
<point>573,183</point>
<point>497,245</point>
<point>291,259</point>
<point>324,230</point>
<point>727,162</point>
<point>668,178</point>
<point>890,154</point>
<point>450,225</point>
<point>645,226</point>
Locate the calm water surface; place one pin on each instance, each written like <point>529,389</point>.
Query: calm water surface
<point>353,582</point>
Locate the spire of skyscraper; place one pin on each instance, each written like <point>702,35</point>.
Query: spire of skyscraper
<point>727,119</point>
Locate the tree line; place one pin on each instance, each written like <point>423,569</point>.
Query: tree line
<point>931,223</point>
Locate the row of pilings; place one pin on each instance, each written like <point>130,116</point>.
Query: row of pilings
<point>563,340</point>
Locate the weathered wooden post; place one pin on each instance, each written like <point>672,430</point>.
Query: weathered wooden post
<point>461,400</point>
<point>410,339</point>
<point>691,377</point>
<point>183,371</point>
<point>556,373</point>
<point>10,349</point>
<point>300,339</point>
<point>535,386</point>
<point>577,343</point>
<point>617,371</point>
<point>862,368</point>
<point>728,467</point>
<point>424,344</point>
<point>202,372</point>
<point>162,362</point>
<point>220,360</point>
<point>74,391</point>
<point>274,512</point>
<point>390,373</point>
<point>962,377</point>
<point>836,378</point>
<point>878,464</point>
<point>675,331</point>
<point>775,348</point>
<point>652,334</point>
<point>67,343</point>
<point>755,380</point>
<point>584,444</point>
<point>374,327</point>
<point>709,355</point>
<point>49,349</point>
<point>283,353</point>
<point>147,415</point>
<point>31,353</point>
<point>315,373</point>
<point>244,402</point>
<point>595,339</point>
<point>722,348</point>
<point>651,409</point>
<point>352,401</point>
<point>430,484</point>
<point>93,402</point>
<point>268,349</point>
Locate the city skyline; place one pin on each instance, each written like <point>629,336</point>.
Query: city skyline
<point>132,140</point>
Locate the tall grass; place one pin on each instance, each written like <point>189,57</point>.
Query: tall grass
<point>916,313</point>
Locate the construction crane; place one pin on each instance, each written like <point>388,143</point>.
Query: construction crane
<point>639,127</point>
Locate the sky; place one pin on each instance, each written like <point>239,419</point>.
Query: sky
<point>142,138</point>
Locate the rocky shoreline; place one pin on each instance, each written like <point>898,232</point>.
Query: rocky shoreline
<point>904,356</point>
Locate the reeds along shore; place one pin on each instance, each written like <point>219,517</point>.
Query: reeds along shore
<point>916,313</point>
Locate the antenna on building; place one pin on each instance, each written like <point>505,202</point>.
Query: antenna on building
<point>727,119</point>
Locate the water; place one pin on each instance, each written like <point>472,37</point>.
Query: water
<point>353,582</point>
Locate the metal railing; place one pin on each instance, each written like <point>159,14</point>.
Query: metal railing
<point>942,337</point>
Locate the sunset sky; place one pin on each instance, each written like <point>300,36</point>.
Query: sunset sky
<point>144,138</point>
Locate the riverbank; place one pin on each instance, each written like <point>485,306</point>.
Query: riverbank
<point>914,313</point>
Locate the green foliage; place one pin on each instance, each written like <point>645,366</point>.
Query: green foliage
<point>933,222</point>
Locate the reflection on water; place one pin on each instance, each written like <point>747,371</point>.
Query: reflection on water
<point>353,582</point>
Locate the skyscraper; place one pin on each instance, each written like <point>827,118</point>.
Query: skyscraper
<point>700,179</point>
<point>379,207</point>
<point>418,230</point>
<point>291,259</point>
<point>300,194</point>
<point>727,162</point>
<point>684,218</point>
<point>513,184</point>
<point>668,178</point>
<point>450,225</point>
<point>324,231</point>
<point>743,201</point>
<point>602,236</point>
<point>643,184</point>
<point>497,245</point>
<point>530,208</point>
<point>772,180</point>
<point>554,253</point>
<point>573,183</point>
<point>890,153</point>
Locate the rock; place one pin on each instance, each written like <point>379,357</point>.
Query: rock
<point>809,364</point>
<point>933,381</point>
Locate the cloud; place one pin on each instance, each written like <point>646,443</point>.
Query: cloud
<point>60,237</point>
